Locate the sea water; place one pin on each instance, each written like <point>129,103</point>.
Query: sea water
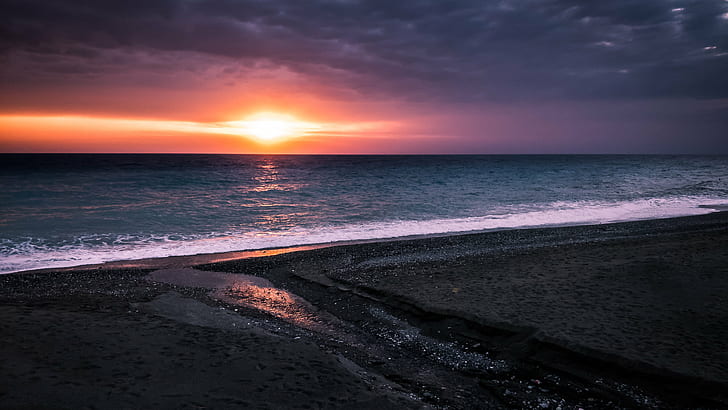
<point>61,210</point>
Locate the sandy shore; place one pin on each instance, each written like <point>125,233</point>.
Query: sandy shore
<point>610,316</point>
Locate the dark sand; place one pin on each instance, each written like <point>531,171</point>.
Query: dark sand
<point>631,315</point>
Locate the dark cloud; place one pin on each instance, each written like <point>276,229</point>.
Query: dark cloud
<point>467,50</point>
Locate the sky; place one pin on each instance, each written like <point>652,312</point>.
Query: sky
<point>364,77</point>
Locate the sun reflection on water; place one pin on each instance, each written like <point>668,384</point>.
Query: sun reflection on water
<point>268,178</point>
<point>272,215</point>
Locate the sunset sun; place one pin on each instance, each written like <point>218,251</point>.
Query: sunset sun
<point>270,127</point>
<point>269,130</point>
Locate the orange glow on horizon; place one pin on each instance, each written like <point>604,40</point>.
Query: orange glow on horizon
<point>262,132</point>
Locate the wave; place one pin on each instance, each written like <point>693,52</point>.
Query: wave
<point>92,249</point>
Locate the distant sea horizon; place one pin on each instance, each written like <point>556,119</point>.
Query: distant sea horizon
<point>60,210</point>
<point>415,154</point>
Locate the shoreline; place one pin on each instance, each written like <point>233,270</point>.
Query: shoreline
<point>391,270</point>
<point>160,262</point>
<point>619,315</point>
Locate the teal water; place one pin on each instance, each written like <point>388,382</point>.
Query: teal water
<point>71,209</point>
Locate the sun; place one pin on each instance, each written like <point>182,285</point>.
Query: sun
<point>269,127</point>
<point>269,130</point>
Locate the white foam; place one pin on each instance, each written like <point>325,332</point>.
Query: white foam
<point>128,247</point>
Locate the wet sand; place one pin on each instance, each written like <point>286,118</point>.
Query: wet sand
<point>631,315</point>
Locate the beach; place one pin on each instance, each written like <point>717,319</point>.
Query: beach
<point>625,315</point>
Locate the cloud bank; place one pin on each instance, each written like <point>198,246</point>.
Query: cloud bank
<point>455,51</point>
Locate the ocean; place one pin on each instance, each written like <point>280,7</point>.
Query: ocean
<point>59,210</point>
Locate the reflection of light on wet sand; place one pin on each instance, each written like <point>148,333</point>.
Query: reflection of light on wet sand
<point>229,256</point>
<point>274,301</point>
<point>252,292</point>
<point>170,262</point>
